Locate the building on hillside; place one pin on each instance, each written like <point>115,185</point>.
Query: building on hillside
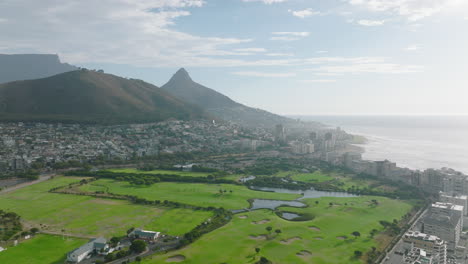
<point>445,221</point>
<point>433,246</point>
<point>139,233</point>
<point>280,134</point>
<point>96,245</point>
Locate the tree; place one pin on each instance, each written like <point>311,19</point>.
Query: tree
<point>114,241</point>
<point>358,254</point>
<point>316,202</point>
<point>356,234</point>
<point>278,231</point>
<point>269,228</point>
<point>34,230</point>
<point>138,259</point>
<point>257,250</point>
<point>263,260</point>
<point>330,204</point>
<point>138,246</point>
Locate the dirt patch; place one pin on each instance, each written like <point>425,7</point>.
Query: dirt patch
<point>342,237</point>
<point>304,253</point>
<point>105,201</point>
<point>264,221</point>
<point>314,228</point>
<point>318,238</point>
<point>242,216</point>
<point>177,258</point>
<point>260,237</point>
<point>290,240</point>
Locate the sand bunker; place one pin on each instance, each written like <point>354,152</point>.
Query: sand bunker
<point>177,258</point>
<point>242,216</point>
<point>318,238</point>
<point>304,253</point>
<point>290,240</point>
<point>342,237</point>
<point>314,228</point>
<point>260,237</point>
<point>264,221</point>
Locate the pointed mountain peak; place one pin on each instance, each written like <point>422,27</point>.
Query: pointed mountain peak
<point>181,75</point>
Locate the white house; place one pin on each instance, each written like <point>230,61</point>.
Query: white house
<point>139,233</point>
<point>93,246</point>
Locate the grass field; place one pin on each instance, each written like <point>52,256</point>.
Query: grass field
<point>84,215</point>
<point>317,241</point>
<point>316,176</point>
<point>189,193</point>
<point>42,249</point>
<point>169,172</point>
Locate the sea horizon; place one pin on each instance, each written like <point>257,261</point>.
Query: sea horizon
<point>417,142</point>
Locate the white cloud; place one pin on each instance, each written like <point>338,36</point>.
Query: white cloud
<point>322,51</point>
<point>412,9</point>
<point>360,68</point>
<point>289,36</point>
<point>252,50</point>
<point>135,32</point>
<point>3,20</point>
<point>268,2</point>
<point>413,47</point>
<point>264,74</point>
<point>304,13</point>
<point>371,23</point>
<point>280,54</point>
<point>318,81</point>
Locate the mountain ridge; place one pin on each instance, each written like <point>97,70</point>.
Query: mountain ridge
<point>182,86</point>
<point>90,97</point>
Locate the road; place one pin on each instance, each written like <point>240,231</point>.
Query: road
<point>388,256</point>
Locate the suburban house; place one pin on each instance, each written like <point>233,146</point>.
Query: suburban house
<point>139,233</point>
<point>96,245</point>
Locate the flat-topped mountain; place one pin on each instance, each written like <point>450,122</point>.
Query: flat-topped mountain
<point>31,66</point>
<point>217,104</point>
<point>91,97</point>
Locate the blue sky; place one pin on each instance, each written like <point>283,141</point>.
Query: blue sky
<point>285,56</point>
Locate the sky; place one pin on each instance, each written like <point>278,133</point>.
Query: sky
<point>297,57</point>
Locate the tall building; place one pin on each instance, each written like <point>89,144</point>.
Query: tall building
<point>455,199</point>
<point>280,134</point>
<point>444,220</point>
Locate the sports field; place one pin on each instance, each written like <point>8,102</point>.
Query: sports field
<point>41,249</point>
<point>88,216</point>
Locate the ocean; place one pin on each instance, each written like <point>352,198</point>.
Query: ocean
<point>415,142</point>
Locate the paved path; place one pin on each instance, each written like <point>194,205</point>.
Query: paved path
<point>22,185</point>
<point>390,253</point>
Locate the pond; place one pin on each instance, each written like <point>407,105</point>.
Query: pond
<point>307,193</point>
<point>273,204</point>
<point>289,216</point>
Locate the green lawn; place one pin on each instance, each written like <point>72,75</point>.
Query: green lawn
<point>189,193</point>
<point>169,172</point>
<point>318,239</point>
<point>42,249</point>
<point>89,216</point>
<point>316,176</point>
